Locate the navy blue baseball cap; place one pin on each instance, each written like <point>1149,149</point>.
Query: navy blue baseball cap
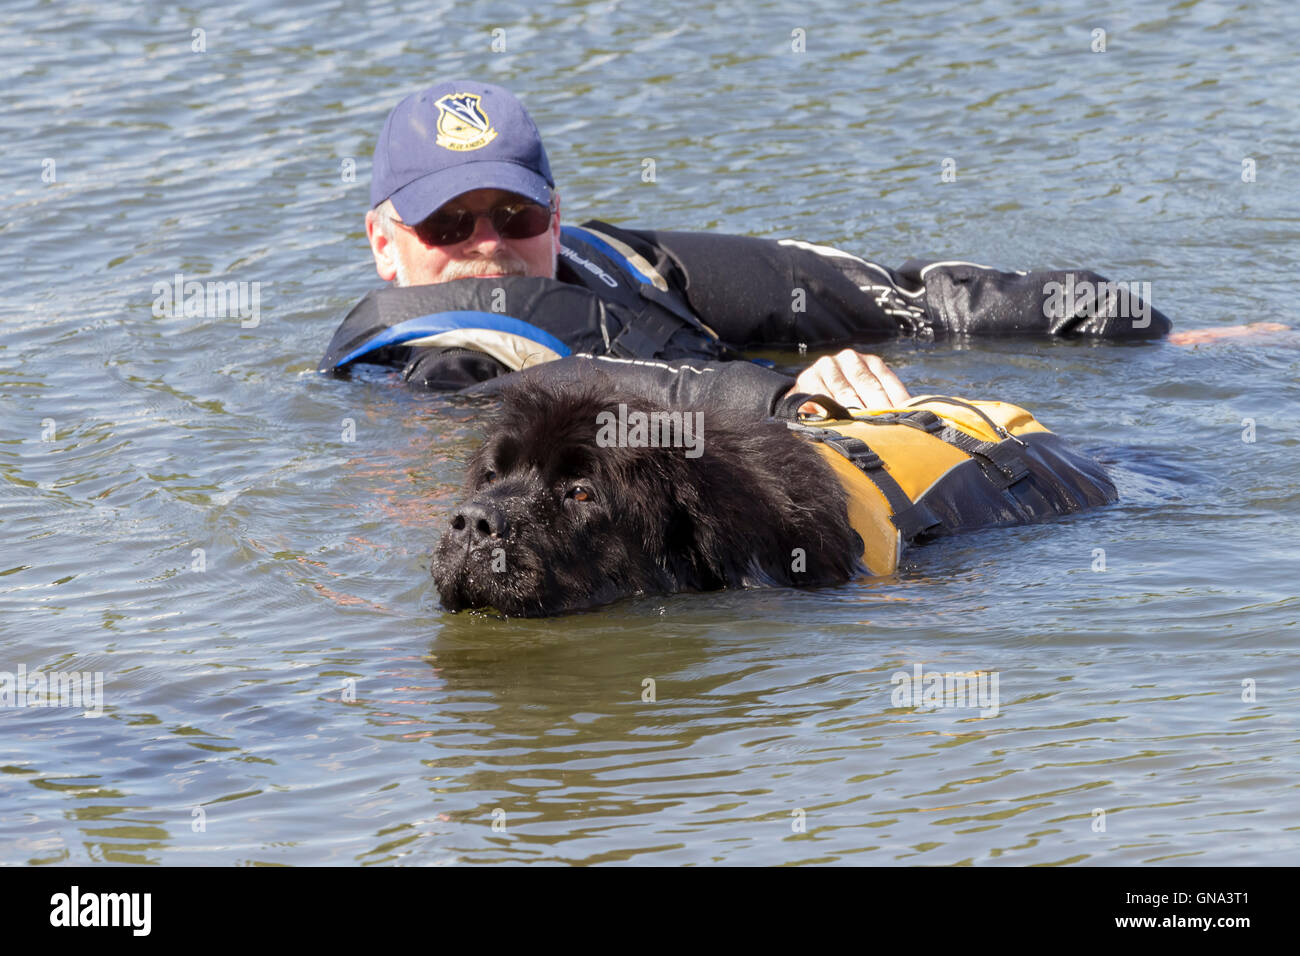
<point>454,137</point>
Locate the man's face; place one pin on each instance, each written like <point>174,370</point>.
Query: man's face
<point>405,258</point>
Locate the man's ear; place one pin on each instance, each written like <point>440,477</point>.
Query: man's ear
<point>555,229</point>
<point>381,247</point>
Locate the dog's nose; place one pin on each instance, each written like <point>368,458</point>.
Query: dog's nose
<point>480,520</point>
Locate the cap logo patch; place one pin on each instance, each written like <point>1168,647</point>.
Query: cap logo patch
<point>462,124</point>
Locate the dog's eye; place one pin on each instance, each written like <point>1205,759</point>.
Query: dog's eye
<point>579,493</point>
<point>489,477</point>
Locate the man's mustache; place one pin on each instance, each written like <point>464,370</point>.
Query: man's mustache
<point>500,264</point>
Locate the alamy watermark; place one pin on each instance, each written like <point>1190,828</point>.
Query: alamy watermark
<point>931,689</point>
<point>75,908</point>
<point>84,689</point>
<point>1123,300</point>
<point>210,299</point>
<point>637,429</point>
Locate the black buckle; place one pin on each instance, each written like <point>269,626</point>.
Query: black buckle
<point>631,343</point>
<point>925,420</point>
<point>856,451</point>
<point>644,336</point>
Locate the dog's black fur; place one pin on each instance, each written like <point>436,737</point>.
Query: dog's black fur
<point>653,520</point>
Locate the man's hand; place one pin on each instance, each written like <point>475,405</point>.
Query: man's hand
<point>1202,336</point>
<point>853,379</point>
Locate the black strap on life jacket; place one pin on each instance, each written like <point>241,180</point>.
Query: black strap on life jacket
<point>1003,461</point>
<point>644,336</point>
<point>656,316</point>
<point>910,518</point>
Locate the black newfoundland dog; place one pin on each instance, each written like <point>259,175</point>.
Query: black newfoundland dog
<point>559,518</point>
<point>573,502</point>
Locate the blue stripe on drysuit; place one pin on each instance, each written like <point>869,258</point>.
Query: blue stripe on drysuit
<point>437,322</point>
<point>582,235</point>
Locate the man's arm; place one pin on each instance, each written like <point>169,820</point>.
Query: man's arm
<point>850,379</point>
<point>785,292</point>
<point>965,298</point>
<point>742,386</point>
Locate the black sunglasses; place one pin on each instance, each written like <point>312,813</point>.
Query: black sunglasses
<point>513,220</point>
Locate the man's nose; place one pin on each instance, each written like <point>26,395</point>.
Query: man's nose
<point>484,232</point>
<point>479,520</point>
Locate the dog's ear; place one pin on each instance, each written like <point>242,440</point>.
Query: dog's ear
<point>758,507</point>
<point>689,511</point>
<point>692,540</point>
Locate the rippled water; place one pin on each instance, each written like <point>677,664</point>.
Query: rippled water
<point>302,699</point>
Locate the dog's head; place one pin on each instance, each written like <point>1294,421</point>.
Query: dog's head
<point>571,506</point>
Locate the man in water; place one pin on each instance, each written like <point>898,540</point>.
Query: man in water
<point>465,220</point>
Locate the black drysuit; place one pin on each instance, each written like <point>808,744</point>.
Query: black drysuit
<point>675,304</point>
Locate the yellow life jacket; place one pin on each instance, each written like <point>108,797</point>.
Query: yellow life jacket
<point>943,464</point>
